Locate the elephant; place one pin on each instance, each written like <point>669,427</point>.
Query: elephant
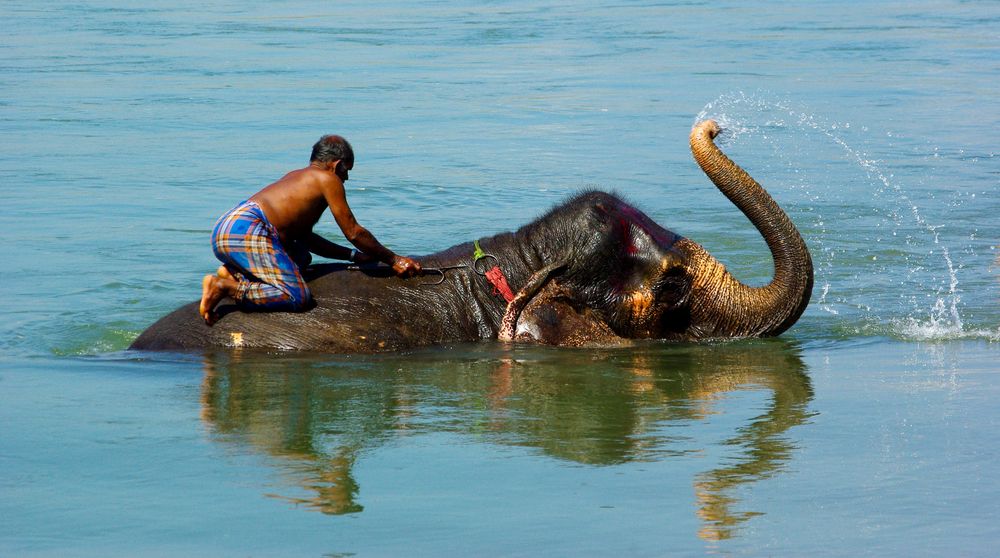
<point>592,271</point>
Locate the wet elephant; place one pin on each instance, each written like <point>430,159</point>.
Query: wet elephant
<point>594,270</point>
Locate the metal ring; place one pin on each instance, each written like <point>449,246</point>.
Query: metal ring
<point>434,270</point>
<point>475,263</point>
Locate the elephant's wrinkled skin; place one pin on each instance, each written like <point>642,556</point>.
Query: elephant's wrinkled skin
<point>592,271</point>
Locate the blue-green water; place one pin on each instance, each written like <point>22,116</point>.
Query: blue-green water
<point>869,428</point>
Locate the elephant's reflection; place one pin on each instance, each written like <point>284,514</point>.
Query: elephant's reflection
<point>594,407</point>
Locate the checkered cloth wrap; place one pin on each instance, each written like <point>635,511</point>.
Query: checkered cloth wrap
<point>250,248</point>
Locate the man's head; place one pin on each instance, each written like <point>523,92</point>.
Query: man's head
<point>332,148</point>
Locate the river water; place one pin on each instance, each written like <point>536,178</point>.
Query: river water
<point>870,427</point>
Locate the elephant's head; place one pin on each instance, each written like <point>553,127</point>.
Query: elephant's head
<point>644,281</point>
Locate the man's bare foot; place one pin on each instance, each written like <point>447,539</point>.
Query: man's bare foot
<point>212,291</point>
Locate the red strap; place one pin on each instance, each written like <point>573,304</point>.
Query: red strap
<point>499,282</point>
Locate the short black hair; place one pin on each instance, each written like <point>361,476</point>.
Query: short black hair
<point>332,148</point>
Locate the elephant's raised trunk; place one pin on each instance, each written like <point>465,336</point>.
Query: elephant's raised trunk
<point>721,305</point>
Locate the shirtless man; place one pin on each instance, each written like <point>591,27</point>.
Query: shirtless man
<point>265,242</point>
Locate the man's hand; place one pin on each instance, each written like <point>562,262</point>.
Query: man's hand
<point>406,267</point>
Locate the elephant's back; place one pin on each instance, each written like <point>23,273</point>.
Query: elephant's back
<point>184,330</point>
<point>355,312</point>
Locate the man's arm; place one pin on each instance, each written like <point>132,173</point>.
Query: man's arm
<point>360,236</point>
<point>323,247</point>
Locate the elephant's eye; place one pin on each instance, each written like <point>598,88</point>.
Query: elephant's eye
<point>673,286</point>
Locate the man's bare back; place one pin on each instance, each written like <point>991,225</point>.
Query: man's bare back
<point>293,205</point>
<point>296,202</point>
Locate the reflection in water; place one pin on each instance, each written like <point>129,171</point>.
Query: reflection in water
<point>316,415</point>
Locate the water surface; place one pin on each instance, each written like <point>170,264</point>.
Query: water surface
<point>868,428</point>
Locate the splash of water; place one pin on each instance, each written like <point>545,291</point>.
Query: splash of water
<point>751,115</point>
<point>92,339</point>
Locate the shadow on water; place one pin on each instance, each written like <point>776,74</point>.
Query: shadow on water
<point>316,418</point>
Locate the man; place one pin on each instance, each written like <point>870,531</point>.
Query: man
<point>265,242</point>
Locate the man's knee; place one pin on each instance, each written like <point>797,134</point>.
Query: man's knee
<point>299,298</point>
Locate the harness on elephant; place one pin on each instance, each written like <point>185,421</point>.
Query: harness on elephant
<point>494,275</point>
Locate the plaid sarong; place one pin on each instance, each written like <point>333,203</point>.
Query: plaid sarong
<point>249,246</point>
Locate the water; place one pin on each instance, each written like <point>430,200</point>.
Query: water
<point>868,428</point>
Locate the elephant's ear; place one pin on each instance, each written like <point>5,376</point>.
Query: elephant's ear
<point>508,324</point>
<point>556,317</point>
